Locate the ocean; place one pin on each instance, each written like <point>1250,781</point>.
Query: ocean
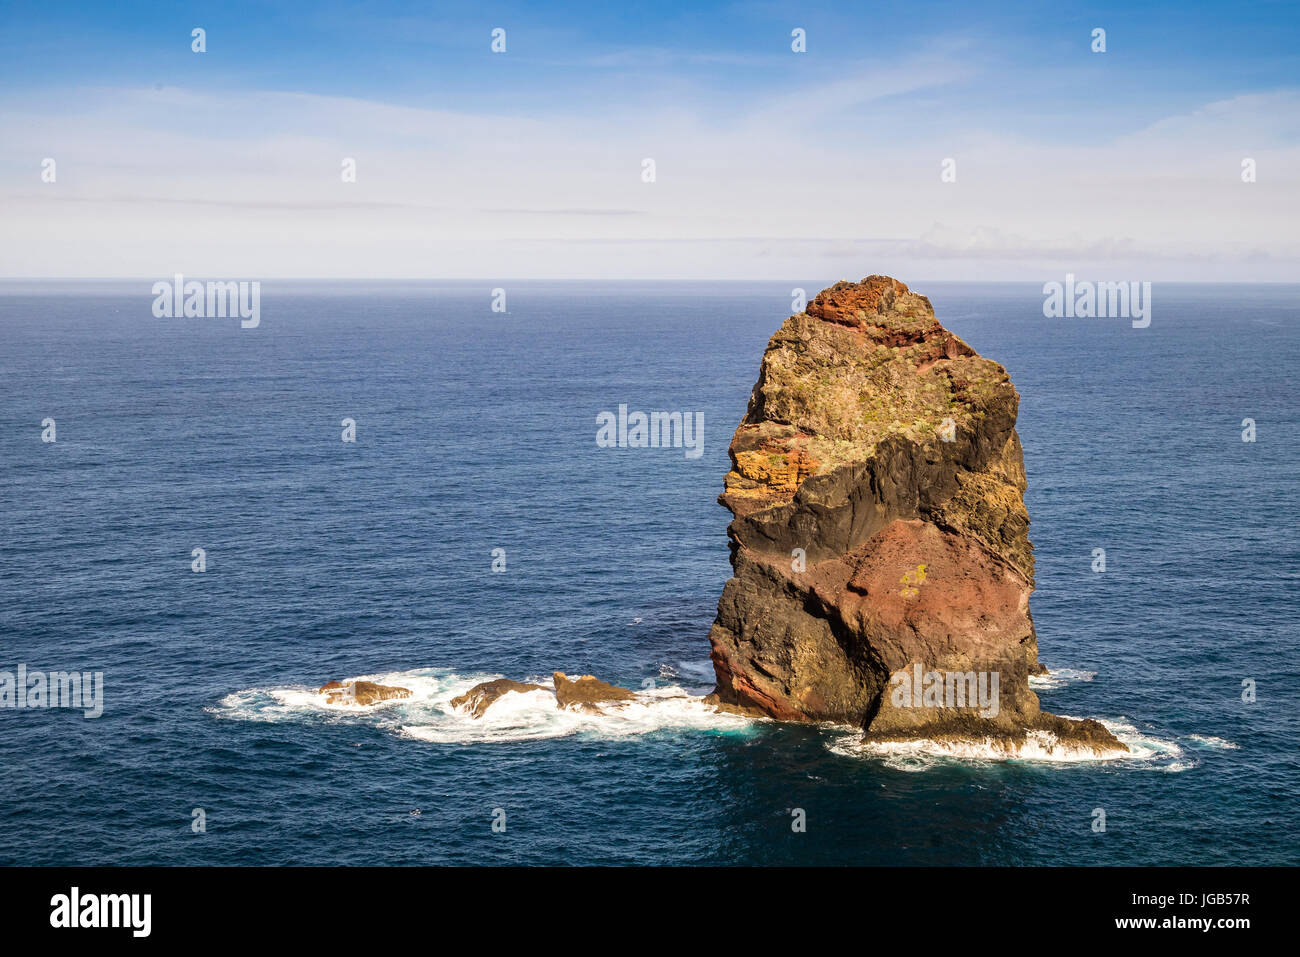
<point>475,433</point>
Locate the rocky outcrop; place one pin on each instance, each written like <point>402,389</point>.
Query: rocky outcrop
<point>880,537</point>
<point>480,697</point>
<point>586,692</point>
<point>360,692</point>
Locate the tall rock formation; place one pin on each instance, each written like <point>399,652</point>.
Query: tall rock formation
<point>880,542</point>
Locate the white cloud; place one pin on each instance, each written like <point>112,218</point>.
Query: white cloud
<point>155,181</point>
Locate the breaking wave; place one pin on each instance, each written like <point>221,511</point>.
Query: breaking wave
<point>427,715</point>
<point>1059,678</point>
<point>665,705</point>
<point>1146,750</point>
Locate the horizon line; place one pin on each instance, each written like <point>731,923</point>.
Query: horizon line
<point>347,279</point>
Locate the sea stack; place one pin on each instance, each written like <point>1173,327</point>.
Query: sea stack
<point>880,542</point>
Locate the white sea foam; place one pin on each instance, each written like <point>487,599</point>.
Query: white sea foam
<point>1210,741</point>
<point>428,715</point>
<point>1059,678</point>
<point>700,676</point>
<point>1146,750</point>
<point>1038,746</point>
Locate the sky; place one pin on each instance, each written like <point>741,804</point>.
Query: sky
<point>768,163</point>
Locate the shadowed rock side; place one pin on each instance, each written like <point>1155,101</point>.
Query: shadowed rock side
<point>877,485</point>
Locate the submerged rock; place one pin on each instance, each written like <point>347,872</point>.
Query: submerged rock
<point>880,537</point>
<point>480,697</point>
<point>586,692</point>
<point>360,692</point>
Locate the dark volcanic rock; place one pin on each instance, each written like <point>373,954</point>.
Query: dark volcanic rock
<point>877,490</point>
<point>481,696</point>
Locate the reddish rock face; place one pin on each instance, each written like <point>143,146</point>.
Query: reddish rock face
<point>877,486</point>
<point>853,302</point>
<point>922,588</point>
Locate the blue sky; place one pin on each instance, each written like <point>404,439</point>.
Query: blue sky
<point>768,162</point>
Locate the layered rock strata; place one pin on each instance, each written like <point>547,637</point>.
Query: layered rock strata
<point>880,547</point>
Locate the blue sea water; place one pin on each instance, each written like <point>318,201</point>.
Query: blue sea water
<point>475,432</point>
